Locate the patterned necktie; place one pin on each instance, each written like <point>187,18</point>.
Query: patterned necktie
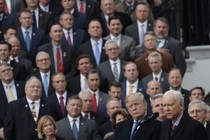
<point>97,53</point>
<point>27,40</point>
<point>33,111</point>
<point>46,84</point>
<point>94,103</point>
<point>115,72</point>
<point>75,130</point>
<point>59,61</point>
<point>62,107</point>
<point>34,19</point>
<point>9,94</point>
<point>69,39</point>
<point>130,91</point>
<point>133,129</point>
<point>142,35</point>
<point>81,6</point>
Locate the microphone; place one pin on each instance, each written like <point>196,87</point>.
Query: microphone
<point>150,117</point>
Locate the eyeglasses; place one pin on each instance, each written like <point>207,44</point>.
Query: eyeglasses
<point>112,49</point>
<point>195,111</point>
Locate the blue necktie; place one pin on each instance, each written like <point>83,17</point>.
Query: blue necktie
<point>133,129</point>
<point>27,40</point>
<point>142,35</point>
<point>97,53</point>
<point>74,128</point>
<point>45,83</point>
<point>34,19</point>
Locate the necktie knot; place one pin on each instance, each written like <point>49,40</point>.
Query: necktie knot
<point>61,97</point>
<point>8,86</point>
<point>156,79</point>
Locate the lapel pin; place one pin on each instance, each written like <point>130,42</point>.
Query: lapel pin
<point>93,118</point>
<point>64,54</point>
<point>26,105</point>
<point>82,123</point>
<point>75,33</point>
<point>162,79</point>
<point>33,34</point>
<point>17,85</point>
<point>40,15</point>
<point>42,105</point>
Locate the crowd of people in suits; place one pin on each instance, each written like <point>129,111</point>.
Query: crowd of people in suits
<point>93,70</point>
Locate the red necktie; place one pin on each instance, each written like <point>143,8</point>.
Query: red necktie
<point>94,103</point>
<point>6,10</point>
<point>69,39</point>
<point>81,7</point>
<point>62,105</point>
<point>59,61</point>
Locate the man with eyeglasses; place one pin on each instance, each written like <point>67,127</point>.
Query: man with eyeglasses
<point>112,69</point>
<point>8,86</point>
<point>197,109</point>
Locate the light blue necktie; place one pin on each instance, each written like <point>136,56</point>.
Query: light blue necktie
<point>115,72</point>
<point>27,40</point>
<point>74,128</point>
<point>97,53</point>
<point>133,129</point>
<point>45,83</point>
<point>142,35</point>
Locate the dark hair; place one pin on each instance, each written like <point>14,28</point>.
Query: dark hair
<point>200,88</point>
<point>83,56</point>
<point>114,17</point>
<point>117,112</point>
<point>162,19</point>
<point>92,71</point>
<point>115,84</point>
<point>6,43</point>
<point>10,27</point>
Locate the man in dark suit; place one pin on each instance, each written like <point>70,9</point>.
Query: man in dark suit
<point>6,19</point>
<point>19,72</point>
<point>43,73</point>
<point>197,109</point>
<point>87,97</point>
<point>23,114</point>
<point>107,10</point>
<point>161,29</point>
<point>94,46</point>
<point>79,82</point>
<point>14,6</point>
<point>17,88</point>
<point>155,63</point>
<point>115,90</point>
<point>179,125</point>
<point>127,44</point>
<point>30,37</point>
<point>140,27</point>
<point>197,93</point>
<point>132,84</point>
<point>150,44</point>
<point>75,125</point>
<point>175,83</point>
<point>135,130</point>
<point>112,105</point>
<point>99,98</point>
<point>60,55</point>
<point>72,37</point>
<point>112,69</point>
<point>41,19</point>
<point>58,99</point>
<point>15,55</point>
<point>89,8</point>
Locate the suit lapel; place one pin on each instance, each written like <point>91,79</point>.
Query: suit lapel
<point>18,89</point>
<point>3,94</point>
<point>42,109</point>
<point>109,70</point>
<point>28,110</point>
<point>82,127</point>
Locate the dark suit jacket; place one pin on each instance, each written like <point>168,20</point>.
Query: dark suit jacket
<point>98,118</point>
<point>126,21</point>
<point>105,71</point>
<point>19,71</point>
<point>143,66</point>
<point>79,37</point>
<point>4,102</point>
<point>148,131</point>
<point>127,47</point>
<point>105,128</point>
<point>91,10</point>
<point>175,50</point>
<point>17,5</point>
<point>38,38</point>
<point>186,94</point>
<point>54,106</point>
<point>27,64</point>
<point>67,56</point>
<point>101,108</point>
<point>187,129</point>
<point>7,21</point>
<point>50,89</point>
<point>163,80</point>
<point>208,130</point>
<point>19,122</point>
<point>86,48</point>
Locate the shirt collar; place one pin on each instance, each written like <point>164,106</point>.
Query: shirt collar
<point>71,118</point>
<point>30,101</point>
